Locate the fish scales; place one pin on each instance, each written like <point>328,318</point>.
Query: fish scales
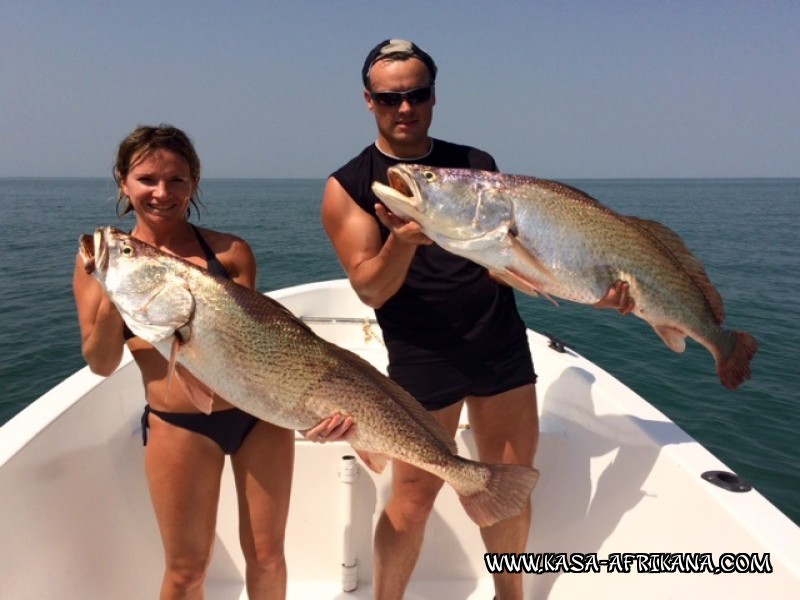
<point>595,235</point>
<point>301,367</point>
<point>253,352</point>
<point>543,237</point>
<point>271,352</point>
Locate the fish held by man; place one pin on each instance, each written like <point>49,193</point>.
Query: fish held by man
<point>250,350</point>
<point>543,237</point>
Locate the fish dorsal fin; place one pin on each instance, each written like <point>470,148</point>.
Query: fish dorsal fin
<point>255,305</point>
<point>414,409</point>
<point>674,245</point>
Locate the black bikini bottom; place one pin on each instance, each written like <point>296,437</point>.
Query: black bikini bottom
<point>228,428</point>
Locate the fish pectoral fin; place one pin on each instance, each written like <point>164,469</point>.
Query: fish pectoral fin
<point>173,361</point>
<point>524,284</point>
<point>148,332</point>
<point>487,241</point>
<point>512,281</point>
<point>199,393</point>
<point>184,333</point>
<point>674,338</point>
<point>376,462</point>
<point>526,256</point>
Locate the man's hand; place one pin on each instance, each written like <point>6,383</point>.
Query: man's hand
<point>618,297</point>
<point>331,429</point>
<point>407,232</point>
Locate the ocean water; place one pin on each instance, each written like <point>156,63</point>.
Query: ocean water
<point>743,230</point>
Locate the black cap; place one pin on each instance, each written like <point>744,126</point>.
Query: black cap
<point>396,49</point>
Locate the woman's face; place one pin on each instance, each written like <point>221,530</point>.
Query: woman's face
<point>159,187</point>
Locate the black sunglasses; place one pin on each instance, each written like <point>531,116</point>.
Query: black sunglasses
<point>415,96</point>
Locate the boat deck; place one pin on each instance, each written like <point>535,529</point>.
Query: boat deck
<point>417,590</point>
<point>617,477</point>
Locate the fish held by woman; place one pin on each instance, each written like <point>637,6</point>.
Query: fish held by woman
<point>250,350</point>
<point>543,237</point>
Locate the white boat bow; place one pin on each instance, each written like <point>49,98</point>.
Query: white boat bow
<point>621,487</point>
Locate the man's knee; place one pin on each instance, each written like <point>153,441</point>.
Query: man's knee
<point>413,499</point>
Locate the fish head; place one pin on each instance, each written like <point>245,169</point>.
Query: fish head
<point>450,204</point>
<point>111,256</point>
<point>95,250</point>
<point>145,284</point>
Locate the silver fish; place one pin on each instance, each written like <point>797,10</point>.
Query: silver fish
<point>543,237</point>
<point>250,350</point>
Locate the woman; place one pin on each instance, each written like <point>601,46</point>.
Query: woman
<point>158,171</point>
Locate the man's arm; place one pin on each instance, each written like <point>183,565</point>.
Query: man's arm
<point>376,270</point>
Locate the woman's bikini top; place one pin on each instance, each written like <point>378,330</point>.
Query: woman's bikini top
<point>214,266</point>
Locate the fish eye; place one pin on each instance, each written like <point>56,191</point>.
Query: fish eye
<point>429,175</point>
<point>127,250</point>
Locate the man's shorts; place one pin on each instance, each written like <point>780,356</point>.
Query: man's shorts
<point>439,384</point>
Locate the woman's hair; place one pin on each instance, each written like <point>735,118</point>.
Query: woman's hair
<point>141,143</point>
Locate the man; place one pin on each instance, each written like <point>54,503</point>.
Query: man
<point>454,336</point>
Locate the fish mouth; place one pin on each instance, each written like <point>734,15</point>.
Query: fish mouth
<point>402,195</point>
<point>93,250</point>
<point>400,182</point>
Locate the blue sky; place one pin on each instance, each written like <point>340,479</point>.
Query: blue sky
<point>684,88</point>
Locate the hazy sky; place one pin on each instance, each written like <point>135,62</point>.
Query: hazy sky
<point>557,89</point>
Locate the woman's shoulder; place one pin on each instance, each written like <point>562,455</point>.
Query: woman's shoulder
<point>233,252</point>
<point>221,241</point>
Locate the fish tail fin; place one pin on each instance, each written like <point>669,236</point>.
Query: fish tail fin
<point>507,491</point>
<point>735,368</point>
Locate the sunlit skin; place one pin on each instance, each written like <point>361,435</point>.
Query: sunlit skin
<point>160,187</point>
<point>402,129</point>
<point>402,132</point>
<point>183,467</point>
<point>505,426</point>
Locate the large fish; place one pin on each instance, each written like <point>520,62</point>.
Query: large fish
<point>544,237</point>
<point>253,352</point>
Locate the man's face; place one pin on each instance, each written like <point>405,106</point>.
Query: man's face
<point>402,129</point>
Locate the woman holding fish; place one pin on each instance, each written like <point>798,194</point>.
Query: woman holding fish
<point>158,172</point>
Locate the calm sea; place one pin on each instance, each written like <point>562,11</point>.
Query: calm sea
<point>745,232</point>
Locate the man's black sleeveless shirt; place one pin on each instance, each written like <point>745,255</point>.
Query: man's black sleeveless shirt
<point>447,304</point>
